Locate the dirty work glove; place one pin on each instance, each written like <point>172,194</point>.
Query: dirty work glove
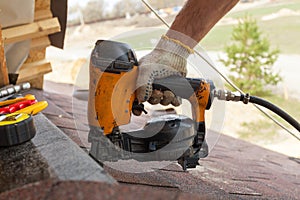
<point>168,58</point>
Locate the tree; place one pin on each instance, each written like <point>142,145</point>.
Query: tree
<point>250,58</point>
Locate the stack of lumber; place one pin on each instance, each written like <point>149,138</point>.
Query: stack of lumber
<point>3,69</point>
<point>44,24</point>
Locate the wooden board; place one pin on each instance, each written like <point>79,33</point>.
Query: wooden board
<point>44,25</point>
<point>3,69</point>
<point>36,54</point>
<point>42,14</point>
<point>42,5</point>
<point>32,30</point>
<point>37,83</point>
<point>33,70</point>
<point>40,42</point>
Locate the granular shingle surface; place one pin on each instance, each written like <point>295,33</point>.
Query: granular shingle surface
<point>234,169</point>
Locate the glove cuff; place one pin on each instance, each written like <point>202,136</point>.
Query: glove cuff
<point>174,46</point>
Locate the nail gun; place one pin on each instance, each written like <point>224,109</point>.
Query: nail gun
<point>113,72</point>
<point>112,99</point>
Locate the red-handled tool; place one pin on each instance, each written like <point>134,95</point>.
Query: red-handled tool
<point>16,100</point>
<point>17,106</point>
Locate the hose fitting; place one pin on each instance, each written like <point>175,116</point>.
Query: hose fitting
<point>228,95</point>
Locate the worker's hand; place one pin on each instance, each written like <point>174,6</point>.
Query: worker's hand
<point>168,58</point>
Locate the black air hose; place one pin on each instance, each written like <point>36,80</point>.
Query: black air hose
<point>275,109</point>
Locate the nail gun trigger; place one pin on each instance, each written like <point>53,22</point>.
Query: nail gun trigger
<point>142,107</point>
<point>139,108</point>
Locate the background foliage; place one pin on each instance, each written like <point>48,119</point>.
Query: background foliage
<point>250,58</point>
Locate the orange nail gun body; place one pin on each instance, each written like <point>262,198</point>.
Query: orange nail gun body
<point>113,74</point>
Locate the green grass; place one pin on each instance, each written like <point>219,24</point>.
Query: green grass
<point>217,38</point>
<point>259,12</point>
<point>282,32</point>
<point>143,39</point>
<point>257,131</point>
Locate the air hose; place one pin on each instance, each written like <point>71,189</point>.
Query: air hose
<point>237,96</point>
<point>275,109</point>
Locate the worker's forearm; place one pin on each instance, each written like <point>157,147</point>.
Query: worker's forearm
<point>196,19</point>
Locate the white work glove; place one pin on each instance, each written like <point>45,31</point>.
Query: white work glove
<point>168,58</point>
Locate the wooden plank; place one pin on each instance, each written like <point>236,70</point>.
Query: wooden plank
<point>36,54</point>
<point>3,69</point>
<point>33,70</point>
<point>40,42</point>
<point>42,14</point>
<point>37,82</point>
<point>42,5</point>
<point>32,30</point>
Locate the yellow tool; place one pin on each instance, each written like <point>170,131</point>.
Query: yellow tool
<point>112,89</point>
<point>13,118</point>
<point>35,108</point>
<point>16,100</point>
<point>18,127</point>
<point>112,99</point>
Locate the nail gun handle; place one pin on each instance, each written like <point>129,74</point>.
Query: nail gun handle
<point>179,85</point>
<point>197,91</point>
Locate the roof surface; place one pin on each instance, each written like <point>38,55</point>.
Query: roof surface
<point>234,169</point>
